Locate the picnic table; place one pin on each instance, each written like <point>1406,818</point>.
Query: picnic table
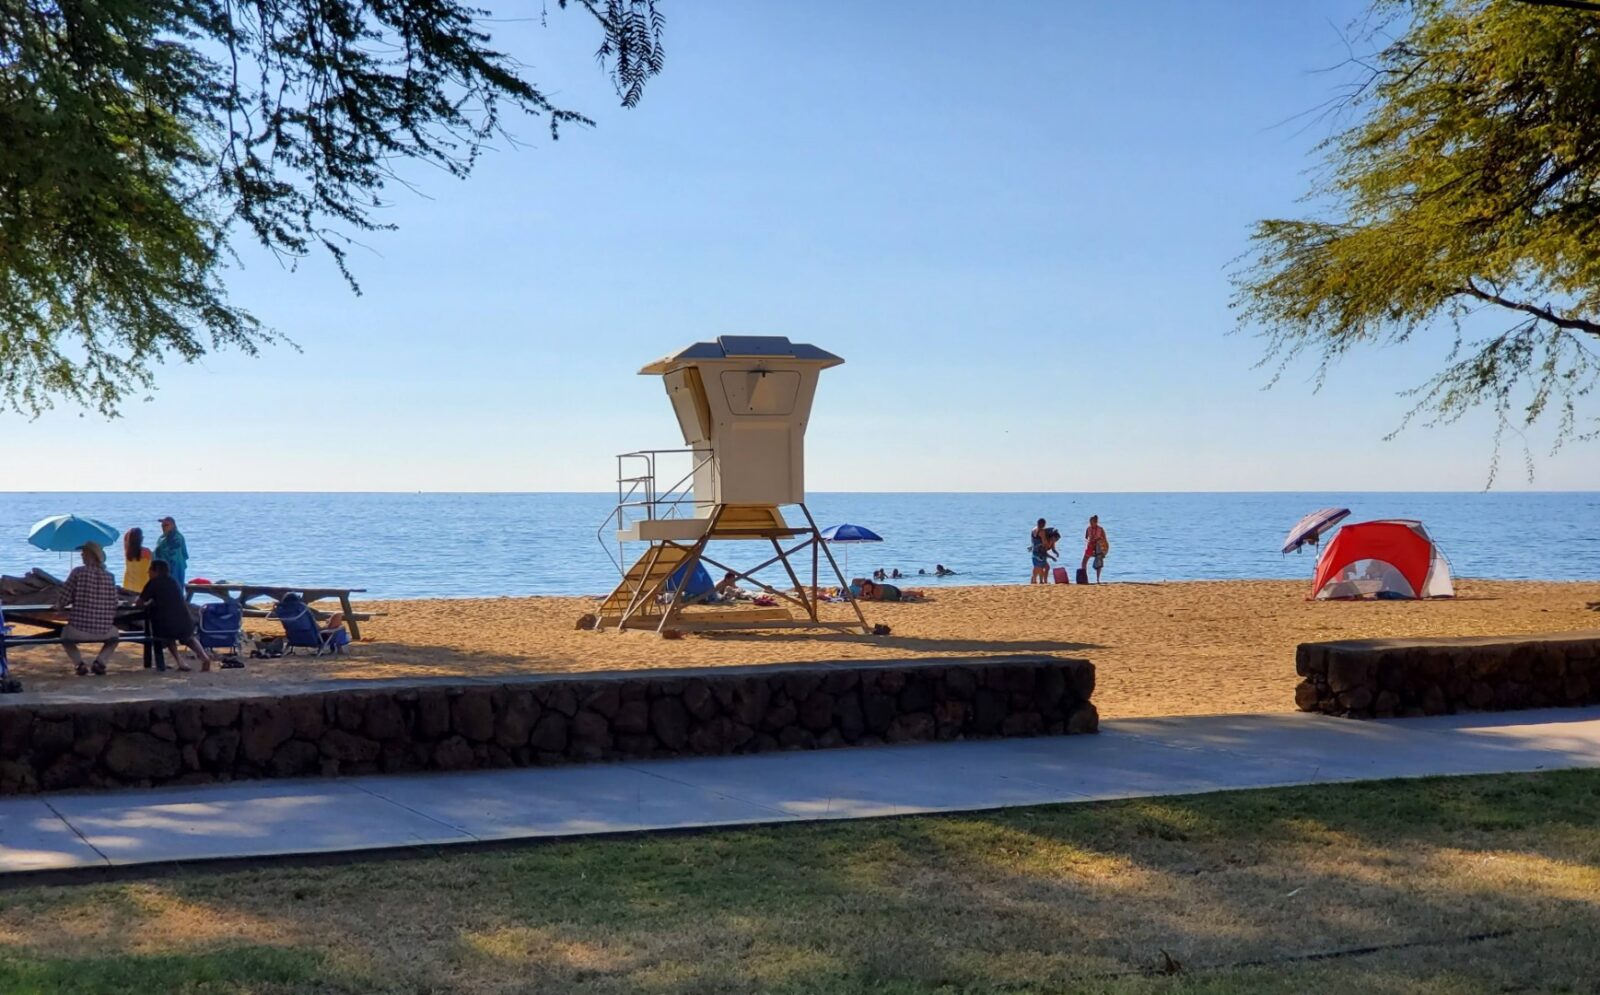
<point>129,619</point>
<point>246,593</point>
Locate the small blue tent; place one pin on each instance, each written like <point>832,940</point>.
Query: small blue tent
<point>700,581</point>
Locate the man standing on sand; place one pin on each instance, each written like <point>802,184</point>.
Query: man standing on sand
<point>1095,546</point>
<point>173,551</point>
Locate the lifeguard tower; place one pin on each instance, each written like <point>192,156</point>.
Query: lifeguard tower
<point>742,403</point>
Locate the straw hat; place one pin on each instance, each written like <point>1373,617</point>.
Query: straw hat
<point>92,551</point>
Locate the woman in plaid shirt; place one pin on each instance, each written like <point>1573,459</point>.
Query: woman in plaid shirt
<point>90,597</point>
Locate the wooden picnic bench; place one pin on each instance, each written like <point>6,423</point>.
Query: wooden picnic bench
<point>246,593</point>
<point>132,622</point>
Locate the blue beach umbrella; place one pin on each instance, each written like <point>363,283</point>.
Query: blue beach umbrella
<point>848,533</point>
<point>66,533</point>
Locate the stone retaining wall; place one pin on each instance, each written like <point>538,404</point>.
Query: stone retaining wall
<point>1380,678</point>
<point>383,726</point>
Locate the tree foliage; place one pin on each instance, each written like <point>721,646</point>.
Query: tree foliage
<point>1466,191</point>
<point>138,136</point>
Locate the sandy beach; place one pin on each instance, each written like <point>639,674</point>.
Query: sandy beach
<point>1160,649</point>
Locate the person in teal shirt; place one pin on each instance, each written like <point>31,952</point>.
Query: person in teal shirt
<point>173,551</point>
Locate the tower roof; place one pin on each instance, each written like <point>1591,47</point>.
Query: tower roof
<point>743,347</point>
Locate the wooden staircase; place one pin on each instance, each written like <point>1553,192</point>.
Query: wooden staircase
<point>636,593</point>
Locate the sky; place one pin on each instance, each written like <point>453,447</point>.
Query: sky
<point>1015,221</point>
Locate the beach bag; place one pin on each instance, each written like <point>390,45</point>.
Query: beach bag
<point>1083,575</point>
<point>1061,576</point>
<point>1102,547</point>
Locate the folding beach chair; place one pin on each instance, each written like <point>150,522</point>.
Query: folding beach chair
<point>221,626</point>
<point>302,631</point>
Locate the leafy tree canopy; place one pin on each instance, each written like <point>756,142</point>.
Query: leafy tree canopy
<point>138,136</point>
<point>1468,185</point>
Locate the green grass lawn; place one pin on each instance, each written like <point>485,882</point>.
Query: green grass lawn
<point>1466,885</point>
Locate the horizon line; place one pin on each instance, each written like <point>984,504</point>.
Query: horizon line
<point>458,493</point>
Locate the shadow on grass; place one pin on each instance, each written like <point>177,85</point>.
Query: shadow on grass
<point>1244,891</point>
<point>1039,899</point>
<point>236,969</point>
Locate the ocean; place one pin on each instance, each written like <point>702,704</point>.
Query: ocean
<point>458,545</point>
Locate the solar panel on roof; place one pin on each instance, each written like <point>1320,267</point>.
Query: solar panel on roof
<point>755,345</point>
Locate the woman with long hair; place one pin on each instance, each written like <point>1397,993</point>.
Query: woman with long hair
<point>136,565</point>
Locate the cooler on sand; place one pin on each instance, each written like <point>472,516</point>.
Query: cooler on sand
<point>1061,576</point>
<point>1083,575</point>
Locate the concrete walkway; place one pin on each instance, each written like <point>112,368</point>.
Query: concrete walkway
<point>1130,758</point>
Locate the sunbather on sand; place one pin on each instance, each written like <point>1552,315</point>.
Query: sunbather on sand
<point>871,590</point>
<point>728,588</point>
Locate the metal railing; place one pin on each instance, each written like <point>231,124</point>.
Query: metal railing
<point>638,497</point>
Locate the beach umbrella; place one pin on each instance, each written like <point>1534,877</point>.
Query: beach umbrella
<point>66,533</point>
<point>846,534</point>
<point>1313,527</point>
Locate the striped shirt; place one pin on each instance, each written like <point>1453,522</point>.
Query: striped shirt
<point>90,597</point>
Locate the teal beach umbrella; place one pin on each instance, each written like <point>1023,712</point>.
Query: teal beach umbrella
<point>66,533</point>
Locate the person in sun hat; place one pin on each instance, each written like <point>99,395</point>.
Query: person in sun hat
<point>90,598</point>
<point>172,550</point>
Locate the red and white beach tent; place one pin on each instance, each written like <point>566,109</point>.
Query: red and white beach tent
<point>1394,558</point>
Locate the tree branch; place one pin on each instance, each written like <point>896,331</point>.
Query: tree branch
<point>1545,314</point>
<point>1588,5</point>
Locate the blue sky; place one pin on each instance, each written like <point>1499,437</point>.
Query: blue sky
<point>1014,221</point>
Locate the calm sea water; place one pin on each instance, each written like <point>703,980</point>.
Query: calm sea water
<point>445,545</point>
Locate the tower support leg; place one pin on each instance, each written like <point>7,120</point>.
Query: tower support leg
<point>675,604</point>
<point>844,585</point>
